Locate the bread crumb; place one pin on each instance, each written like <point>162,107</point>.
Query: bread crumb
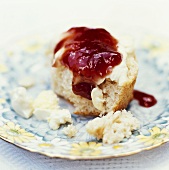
<point>42,114</point>
<point>59,117</point>
<point>27,82</point>
<point>47,99</point>
<point>113,128</point>
<point>70,131</point>
<point>21,102</point>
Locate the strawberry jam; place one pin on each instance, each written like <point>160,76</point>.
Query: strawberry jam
<point>90,54</point>
<point>145,100</point>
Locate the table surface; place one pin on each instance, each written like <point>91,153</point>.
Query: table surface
<point>18,17</point>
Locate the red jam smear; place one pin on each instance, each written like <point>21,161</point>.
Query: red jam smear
<point>83,89</point>
<point>145,100</point>
<point>90,54</point>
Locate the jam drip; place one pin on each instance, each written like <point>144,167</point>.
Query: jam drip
<point>90,54</point>
<point>144,99</point>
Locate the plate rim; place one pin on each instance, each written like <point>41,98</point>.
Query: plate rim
<point>73,157</point>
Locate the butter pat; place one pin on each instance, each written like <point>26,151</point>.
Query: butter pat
<point>70,131</point>
<point>59,117</point>
<point>21,102</point>
<point>120,72</point>
<point>97,99</point>
<point>113,127</point>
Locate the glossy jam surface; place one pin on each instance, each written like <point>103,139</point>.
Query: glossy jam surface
<point>145,100</point>
<point>90,54</point>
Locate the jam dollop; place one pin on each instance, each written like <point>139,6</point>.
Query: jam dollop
<point>145,100</point>
<point>90,54</point>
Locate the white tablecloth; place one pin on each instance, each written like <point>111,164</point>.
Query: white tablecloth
<point>12,157</point>
<point>18,17</point>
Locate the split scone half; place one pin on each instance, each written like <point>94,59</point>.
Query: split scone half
<point>94,71</point>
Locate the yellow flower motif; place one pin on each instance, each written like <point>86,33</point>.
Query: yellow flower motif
<point>33,47</point>
<point>10,53</point>
<point>15,134</point>
<point>86,149</point>
<point>3,68</point>
<point>157,136</point>
<point>117,147</point>
<point>45,145</point>
<point>2,100</point>
<point>156,45</point>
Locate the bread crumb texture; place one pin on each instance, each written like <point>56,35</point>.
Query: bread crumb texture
<point>113,127</point>
<point>70,131</point>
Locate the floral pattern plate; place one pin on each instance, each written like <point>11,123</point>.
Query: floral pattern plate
<point>29,57</point>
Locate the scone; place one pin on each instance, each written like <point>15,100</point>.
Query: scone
<point>94,71</point>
